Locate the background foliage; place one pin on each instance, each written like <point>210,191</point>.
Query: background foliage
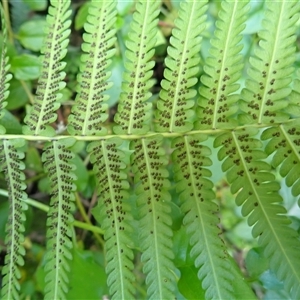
<point>252,278</point>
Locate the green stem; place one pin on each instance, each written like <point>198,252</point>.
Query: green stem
<point>45,208</point>
<point>27,91</point>
<point>7,19</point>
<point>136,137</point>
<point>34,178</point>
<point>86,218</point>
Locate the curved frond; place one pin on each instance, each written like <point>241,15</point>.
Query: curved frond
<point>11,164</point>
<point>250,177</point>
<point>114,215</point>
<point>264,97</point>
<point>57,163</point>
<point>149,167</point>
<point>196,195</point>
<point>133,111</point>
<point>285,142</point>
<point>90,110</point>
<point>4,67</point>
<point>51,79</point>
<point>175,107</point>
<point>217,103</point>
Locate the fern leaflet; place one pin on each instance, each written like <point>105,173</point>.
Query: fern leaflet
<point>133,113</point>
<point>89,112</point>
<point>57,162</point>
<point>4,67</point>
<point>151,181</point>
<point>190,162</point>
<point>114,215</point>
<point>11,164</point>
<point>51,79</point>
<point>257,191</point>
<point>264,97</point>
<point>223,69</point>
<point>175,113</point>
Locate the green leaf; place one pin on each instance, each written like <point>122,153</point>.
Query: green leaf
<point>84,266</point>
<point>255,262</point>
<point>242,289</point>
<point>82,14</point>
<point>10,123</point>
<point>117,69</point>
<point>36,4</point>
<point>189,284</point>
<point>33,160</point>
<point>26,67</point>
<point>4,213</point>
<point>81,173</point>
<point>17,97</point>
<point>31,34</point>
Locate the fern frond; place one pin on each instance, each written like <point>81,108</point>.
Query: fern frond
<point>175,107</point>
<point>196,195</point>
<point>264,97</point>
<point>217,103</point>
<point>114,214</point>
<point>149,167</point>
<point>89,111</point>
<point>57,163</point>
<point>51,79</point>
<point>285,142</point>
<point>133,112</point>
<point>11,164</point>
<point>4,67</point>
<point>250,177</point>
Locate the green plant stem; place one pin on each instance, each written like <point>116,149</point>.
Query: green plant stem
<point>35,178</point>
<point>89,138</point>
<point>86,218</point>
<point>27,91</point>
<point>8,24</point>
<point>45,208</point>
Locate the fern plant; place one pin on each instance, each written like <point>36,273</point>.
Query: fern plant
<point>156,150</point>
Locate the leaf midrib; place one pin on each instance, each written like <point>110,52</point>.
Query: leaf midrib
<point>154,221</point>
<point>224,57</point>
<point>180,69</point>
<point>94,70</point>
<point>141,51</point>
<point>272,61</point>
<point>59,222</point>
